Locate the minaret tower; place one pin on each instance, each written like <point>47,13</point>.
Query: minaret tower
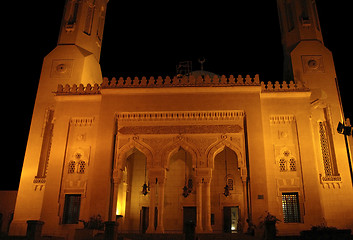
<point>75,60</point>
<point>308,62</point>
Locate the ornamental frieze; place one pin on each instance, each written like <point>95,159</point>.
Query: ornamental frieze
<point>180,129</point>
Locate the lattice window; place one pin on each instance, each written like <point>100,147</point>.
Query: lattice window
<point>71,167</point>
<point>287,162</point>
<point>290,206</point>
<point>292,165</point>
<point>282,165</point>
<point>81,168</point>
<point>325,149</point>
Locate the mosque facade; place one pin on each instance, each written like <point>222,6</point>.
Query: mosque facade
<point>159,155</point>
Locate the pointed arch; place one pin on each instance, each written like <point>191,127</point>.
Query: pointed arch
<point>125,151</point>
<point>219,146</point>
<point>172,148</point>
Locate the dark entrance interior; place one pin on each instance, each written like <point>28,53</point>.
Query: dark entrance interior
<point>230,219</point>
<point>144,215</point>
<point>144,218</point>
<point>189,220</point>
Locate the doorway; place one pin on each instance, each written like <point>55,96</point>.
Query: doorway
<point>144,218</point>
<point>189,222</point>
<point>230,219</point>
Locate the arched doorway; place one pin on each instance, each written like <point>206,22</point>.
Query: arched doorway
<point>131,203</point>
<point>179,200</point>
<point>227,206</point>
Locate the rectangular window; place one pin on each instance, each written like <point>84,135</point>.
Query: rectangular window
<point>72,208</point>
<point>290,205</point>
<point>290,17</point>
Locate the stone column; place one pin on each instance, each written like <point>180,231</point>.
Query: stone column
<point>160,222</point>
<point>117,177</point>
<point>207,202</point>
<point>152,206</point>
<point>245,203</point>
<point>198,228</point>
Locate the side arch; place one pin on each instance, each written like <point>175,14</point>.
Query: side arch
<point>126,150</point>
<point>216,148</point>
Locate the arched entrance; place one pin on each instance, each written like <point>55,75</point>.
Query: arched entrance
<point>227,193</point>
<point>131,204</point>
<point>179,200</point>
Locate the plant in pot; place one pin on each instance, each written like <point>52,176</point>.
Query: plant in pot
<point>92,227</point>
<point>269,223</point>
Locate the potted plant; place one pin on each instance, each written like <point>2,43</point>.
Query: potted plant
<point>323,232</point>
<point>91,228</point>
<point>269,223</point>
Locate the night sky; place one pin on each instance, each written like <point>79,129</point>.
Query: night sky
<point>149,39</point>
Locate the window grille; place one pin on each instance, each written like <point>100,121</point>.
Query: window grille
<point>81,167</point>
<point>72,208</point>
<point>71,167</point>
<point>282,165</point>
<point>292,165</point>
<point>290,205</point>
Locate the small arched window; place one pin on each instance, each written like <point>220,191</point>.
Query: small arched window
<point>287,162</point>
<point>71,167</point>
<point>81,167</point>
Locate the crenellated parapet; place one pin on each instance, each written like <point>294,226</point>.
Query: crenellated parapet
<point>283,87</point>
<point>78,90</point>
<point>185,81</point>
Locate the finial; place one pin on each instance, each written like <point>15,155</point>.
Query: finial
<point>202,61</point>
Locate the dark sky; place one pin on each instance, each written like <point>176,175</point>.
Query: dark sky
<point>148,38</point>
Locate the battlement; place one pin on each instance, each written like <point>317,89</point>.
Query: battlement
<point>185,81</point>
<point>78,90</point>
<point>283,87</point>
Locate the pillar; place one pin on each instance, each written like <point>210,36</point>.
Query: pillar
<point>245,203</point>
<point>117,177</point>
<point>207,201</point>
<point>198,228</point>
<point>152,206</point>
<point>160,219</point>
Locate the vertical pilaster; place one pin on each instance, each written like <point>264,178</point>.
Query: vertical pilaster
<point>199,228</point>
<point>160,220</point>
<point>151,214</point>
<point>207,200</point>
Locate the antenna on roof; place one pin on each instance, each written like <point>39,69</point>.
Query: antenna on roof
<point>184,68</point>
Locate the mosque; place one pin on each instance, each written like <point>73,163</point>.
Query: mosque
<point>196,150</point>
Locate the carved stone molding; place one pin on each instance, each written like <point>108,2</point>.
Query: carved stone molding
<point>180,115</point>
<point>82,122</point>
<point>188,129</point>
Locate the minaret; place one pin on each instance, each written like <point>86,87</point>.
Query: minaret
<point>309,62</point>
<point>75,60</point>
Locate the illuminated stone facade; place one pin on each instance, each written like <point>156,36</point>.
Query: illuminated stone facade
<point>94,143</point>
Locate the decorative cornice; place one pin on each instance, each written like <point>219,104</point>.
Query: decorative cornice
<point>82,122</point>
<point>281,119</point>
<point>180,129</point>
<point>185,81</point>
<point>180,115</point>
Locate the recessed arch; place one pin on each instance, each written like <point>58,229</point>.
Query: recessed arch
<point>216,148</point>
<point>172,148</point>
<point>125,151</point>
